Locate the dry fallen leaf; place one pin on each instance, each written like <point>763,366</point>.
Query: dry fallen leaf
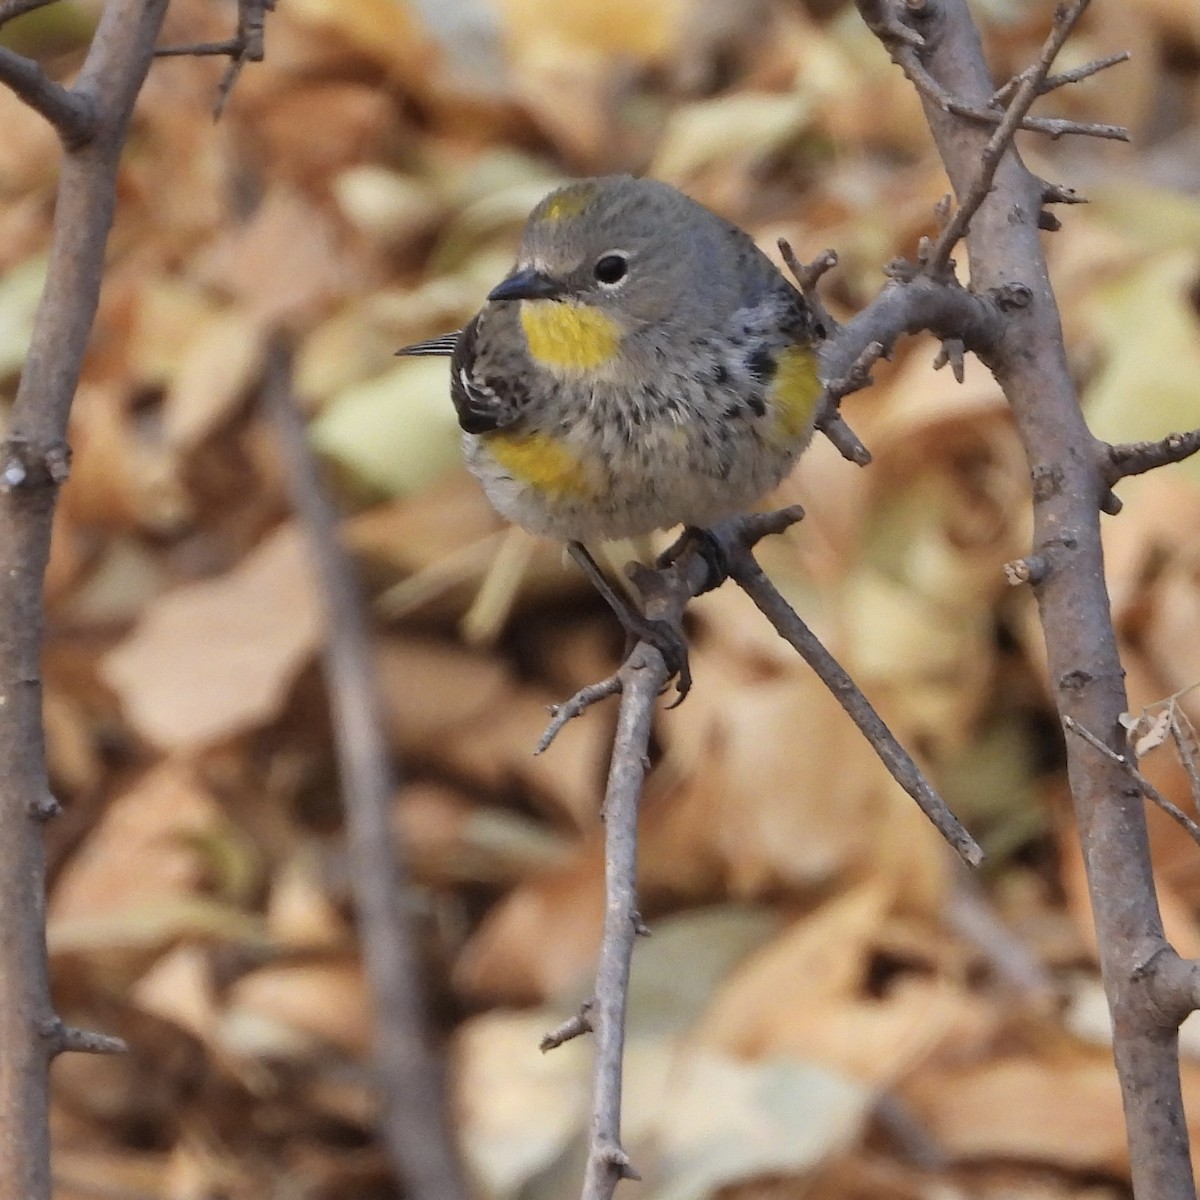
<point>216,658</point>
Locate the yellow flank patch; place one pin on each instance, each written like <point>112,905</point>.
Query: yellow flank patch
<point>569,202</point>
<point>794,391</point>
<point>569,337</point>
<point>537,459</point>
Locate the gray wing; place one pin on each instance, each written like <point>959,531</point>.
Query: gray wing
<point>486,397</point>
<point>484,401</point>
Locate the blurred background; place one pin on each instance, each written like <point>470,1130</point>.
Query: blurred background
<point>828,1007</point>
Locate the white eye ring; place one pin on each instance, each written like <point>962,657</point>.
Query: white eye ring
<point>611,268</point>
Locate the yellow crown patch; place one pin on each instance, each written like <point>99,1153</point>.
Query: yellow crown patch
<point>569,202</point>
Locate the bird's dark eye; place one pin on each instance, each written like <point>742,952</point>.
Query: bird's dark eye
<point>611,268</point>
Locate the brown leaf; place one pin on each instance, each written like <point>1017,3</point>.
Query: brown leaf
<point>216,658</point>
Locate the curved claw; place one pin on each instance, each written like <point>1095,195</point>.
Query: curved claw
<point>708,546</point>
<point>665,636</point>
<point>669,641</point>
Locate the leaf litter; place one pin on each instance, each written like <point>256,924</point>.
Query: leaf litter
<point>809,1017</point>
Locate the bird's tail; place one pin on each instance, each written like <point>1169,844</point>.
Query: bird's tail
<point>440,346</point>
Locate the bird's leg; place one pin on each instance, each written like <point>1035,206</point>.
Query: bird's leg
<point>708,546</point>
<point>664,636</point>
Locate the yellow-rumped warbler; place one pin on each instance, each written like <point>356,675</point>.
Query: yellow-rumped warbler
<point>644,365</point>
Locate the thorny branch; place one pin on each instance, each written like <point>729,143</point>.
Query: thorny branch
<point>1026,92</point>
<point>1007,318</point>
<point>665,593</point>
<point>1136,458</point>
<point>906,44</point>
<point>92,119</point>
<point>1071,484</point>
<point>415,1119</point>
<point>248,44</point>
<point>1143,784</point>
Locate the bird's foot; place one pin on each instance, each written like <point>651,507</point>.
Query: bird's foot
<point>666,636</point>
<point>708,546</point>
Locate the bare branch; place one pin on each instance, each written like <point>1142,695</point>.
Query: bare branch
<point>1030,363</point>
<point>1062,79</point>
<point>70,113</point>
<point>882,20</point>
<point>1057,193</point>
<point>1052,127</point>
<point>951,353</point>
<point>574,1026</point>
<point>910,303</point>
<point>578,704</point>
<point>415,1122</point>
<point>61,1038</point>
<point>750,578</point>
<point>643,676</point>
<point>859,374</point>
<point>1136,458</point>
<point>833,425</point>
<point>246,45</point>
<point>807,275</point>
<point>34,461</point>
<point>1031,569</point>
<point>200,49</point>
<point>1183,734</point>
<point>1026,93</point>
<point>1143,784</point>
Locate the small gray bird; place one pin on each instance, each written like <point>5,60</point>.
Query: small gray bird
<point>643,366</point>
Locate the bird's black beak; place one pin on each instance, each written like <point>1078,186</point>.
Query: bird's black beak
<point>527,284</point>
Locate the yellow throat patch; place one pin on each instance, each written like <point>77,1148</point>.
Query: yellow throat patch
<point>568,337</point>
<point>794,391</point>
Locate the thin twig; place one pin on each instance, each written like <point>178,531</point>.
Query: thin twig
<point>415,1123</point>
<point>574,1026</point>
<point>1052,127</point>
<point>847,443</point>
<point>1059,193</point>
<point>1063,78</point>
<point>200,49</point>
<point>951,352</point>
<point>578,704</point>
<point>71,113</point>
<point>751,579</point>
<point>831,422</point>
<point>1143,784</point>
<point>1027,92</point>
<point>252,15</point>
<point>61,1038</point>
<point>807,275</point>
<point>643,676</point>
<point>665,593</point>
<point>1183,733</point>
<point>1136,458</point>
<point>246,45</point>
